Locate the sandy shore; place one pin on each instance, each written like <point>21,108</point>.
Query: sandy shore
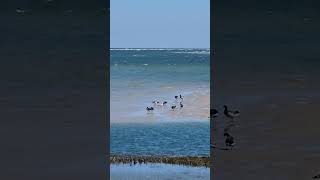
<point>196,108</point>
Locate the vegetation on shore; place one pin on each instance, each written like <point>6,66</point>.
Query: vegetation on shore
<point>187,161</point>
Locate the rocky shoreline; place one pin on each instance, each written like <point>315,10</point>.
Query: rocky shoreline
<point>187,161</point>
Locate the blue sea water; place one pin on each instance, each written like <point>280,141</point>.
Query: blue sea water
<point>161,139</point>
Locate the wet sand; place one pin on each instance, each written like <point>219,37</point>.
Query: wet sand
<point>195,108</point>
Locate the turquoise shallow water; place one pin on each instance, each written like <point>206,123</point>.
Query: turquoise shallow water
<point>158,172</point>
<point>139,76</point>
<point>169,139</point>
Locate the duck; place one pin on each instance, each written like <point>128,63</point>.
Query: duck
<point>230,114</point>
<point>173,107</point>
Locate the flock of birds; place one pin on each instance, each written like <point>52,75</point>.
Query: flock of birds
<point>214,113</point>
<point>159,103</point>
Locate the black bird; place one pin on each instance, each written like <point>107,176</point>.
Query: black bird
<point>230,114</point>
<point>181,97</point>
<point>165,102</point>
<point>214,113</point>
<point>149,108</point>
<point>176,97</point>
<point>229,140</point>
<point>181,105</point>
<point>173,107</point>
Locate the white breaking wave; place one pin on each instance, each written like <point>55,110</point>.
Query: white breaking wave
<point>156,49</point>
<point>193,52</point>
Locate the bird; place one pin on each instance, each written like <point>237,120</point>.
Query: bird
<point>230,114</point>
<point>176,97</point>
<point>158,103</point>
<point>155,102</point>
<point>229,140</point>
<point>173,107</point>
<point>214,113</point>
<point>150,108</point>
<point>181,105</point>
<point>181,97</point>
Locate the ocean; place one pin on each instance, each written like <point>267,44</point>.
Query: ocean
<point>160,139</point>
<point>140,76</point>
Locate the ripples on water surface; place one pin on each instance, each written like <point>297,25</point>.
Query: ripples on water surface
<point>171,139</point>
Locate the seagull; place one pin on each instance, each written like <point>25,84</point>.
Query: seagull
<point>230,114</point>
<point>149,108</point>
<point>181,105</point>
<point>214,113</point>
<point>229,140</point>
<point>173,107</point>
